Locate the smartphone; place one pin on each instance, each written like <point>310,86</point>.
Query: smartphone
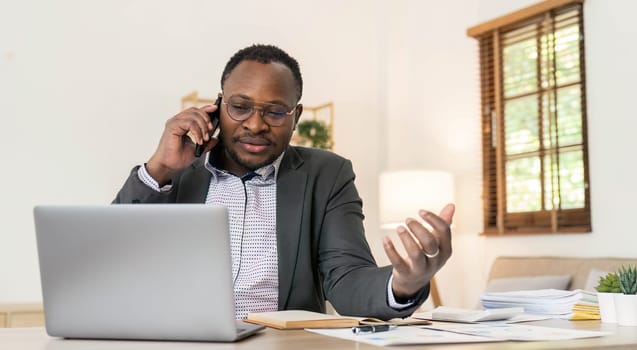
<point>214,118</point>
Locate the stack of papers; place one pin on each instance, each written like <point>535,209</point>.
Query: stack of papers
<point>574,305</point>
<point>584,311</point>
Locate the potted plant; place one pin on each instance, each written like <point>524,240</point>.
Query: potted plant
<point>626,303</point>
<point>315,133</point>
<point>606,289</point>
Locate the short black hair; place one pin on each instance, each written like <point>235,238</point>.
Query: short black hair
<point>265,54</point>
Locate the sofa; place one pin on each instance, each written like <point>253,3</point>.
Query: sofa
<point>527,272</point>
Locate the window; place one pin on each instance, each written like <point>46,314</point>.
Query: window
<point>535,159</point>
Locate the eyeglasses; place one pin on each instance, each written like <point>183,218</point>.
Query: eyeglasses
<point>240,109</point>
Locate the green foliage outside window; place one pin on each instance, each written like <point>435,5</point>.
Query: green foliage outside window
<point>533,120</point>
<point>544,160</point>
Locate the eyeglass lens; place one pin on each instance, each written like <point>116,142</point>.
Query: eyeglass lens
<point>240,110</point>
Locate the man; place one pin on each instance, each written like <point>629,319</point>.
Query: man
<point>296,218</point>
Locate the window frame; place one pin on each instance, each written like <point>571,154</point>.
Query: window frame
<point>497,221</point>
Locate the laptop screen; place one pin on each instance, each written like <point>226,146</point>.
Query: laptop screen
<point>142,271</point>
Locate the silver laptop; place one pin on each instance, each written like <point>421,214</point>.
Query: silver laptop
<point>140,271</point>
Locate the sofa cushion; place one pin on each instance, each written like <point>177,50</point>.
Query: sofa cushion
<point>529,283</point>
<point>593,279</point>
<point>577,267</point>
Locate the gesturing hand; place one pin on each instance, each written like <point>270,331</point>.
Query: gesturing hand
<point>427,251</point>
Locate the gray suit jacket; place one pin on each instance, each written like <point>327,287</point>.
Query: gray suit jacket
<point>323,253</point>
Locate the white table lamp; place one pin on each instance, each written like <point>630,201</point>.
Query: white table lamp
<point>403,193</point>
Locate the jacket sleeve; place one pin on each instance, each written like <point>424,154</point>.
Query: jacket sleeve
<point>351,279</point>
<point>135,191</point>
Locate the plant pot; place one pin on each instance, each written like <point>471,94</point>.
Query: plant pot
<point>626,309</point>
<point>607,307</point>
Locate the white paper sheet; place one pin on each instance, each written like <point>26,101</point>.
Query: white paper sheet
<point>404,335</point>
<point>516,331</point>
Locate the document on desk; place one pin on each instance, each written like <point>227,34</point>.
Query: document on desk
<point>565,304</point>
<point>516,331</point>
<point>404,335</point>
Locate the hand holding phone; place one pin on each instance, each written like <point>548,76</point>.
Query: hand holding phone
<point>214,119</point>
<point>175,149</point>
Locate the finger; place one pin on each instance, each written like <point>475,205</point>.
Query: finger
<point>211,144</point>
<point>193,123</point>
<point>447,213</point>
<point>439,225</point>
<point>210,109</point>
<point>441,229</point>
<point>428,242</point>
<point>396,260</point>
<point>411,247</point>
<point>191,129</point>
<point>203,122</point>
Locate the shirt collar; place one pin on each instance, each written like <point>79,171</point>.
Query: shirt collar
<point>265,172</point>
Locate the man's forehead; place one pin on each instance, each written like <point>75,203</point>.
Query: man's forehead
<point>253,77</point>
<point>257,70</point>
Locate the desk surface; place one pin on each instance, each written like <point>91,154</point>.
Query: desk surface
<point>270,339</point>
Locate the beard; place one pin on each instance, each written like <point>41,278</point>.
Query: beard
<point>233,152</point>
<point>250,165</point>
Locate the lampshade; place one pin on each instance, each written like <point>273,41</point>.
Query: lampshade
<point>403,193</point>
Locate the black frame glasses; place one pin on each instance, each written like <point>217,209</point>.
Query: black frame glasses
<point>241,110</point>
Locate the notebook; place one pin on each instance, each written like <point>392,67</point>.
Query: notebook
<point>299,319</point>
<point>137,271</point>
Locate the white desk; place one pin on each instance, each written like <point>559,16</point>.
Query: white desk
<point>270,339</point>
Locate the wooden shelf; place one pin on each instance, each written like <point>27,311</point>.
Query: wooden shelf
<point>21,315</point>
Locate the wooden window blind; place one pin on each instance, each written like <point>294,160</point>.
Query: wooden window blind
<point>533,110</point>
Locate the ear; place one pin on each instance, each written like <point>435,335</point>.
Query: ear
<point>299,111</point>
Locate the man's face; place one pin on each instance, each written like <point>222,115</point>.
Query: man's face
<point>252,143</point>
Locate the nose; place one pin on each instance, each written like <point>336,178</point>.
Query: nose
<point>255,122</point>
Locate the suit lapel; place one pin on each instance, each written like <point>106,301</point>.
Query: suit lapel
<point>290,190</point>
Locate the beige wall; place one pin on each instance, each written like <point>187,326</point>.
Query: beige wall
<point>85,88</point>
<point>435,64</point>
<point>610,53</point>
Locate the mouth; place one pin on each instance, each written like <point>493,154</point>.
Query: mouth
<point>253,144</point>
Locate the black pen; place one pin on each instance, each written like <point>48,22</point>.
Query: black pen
<point>372,329</point>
